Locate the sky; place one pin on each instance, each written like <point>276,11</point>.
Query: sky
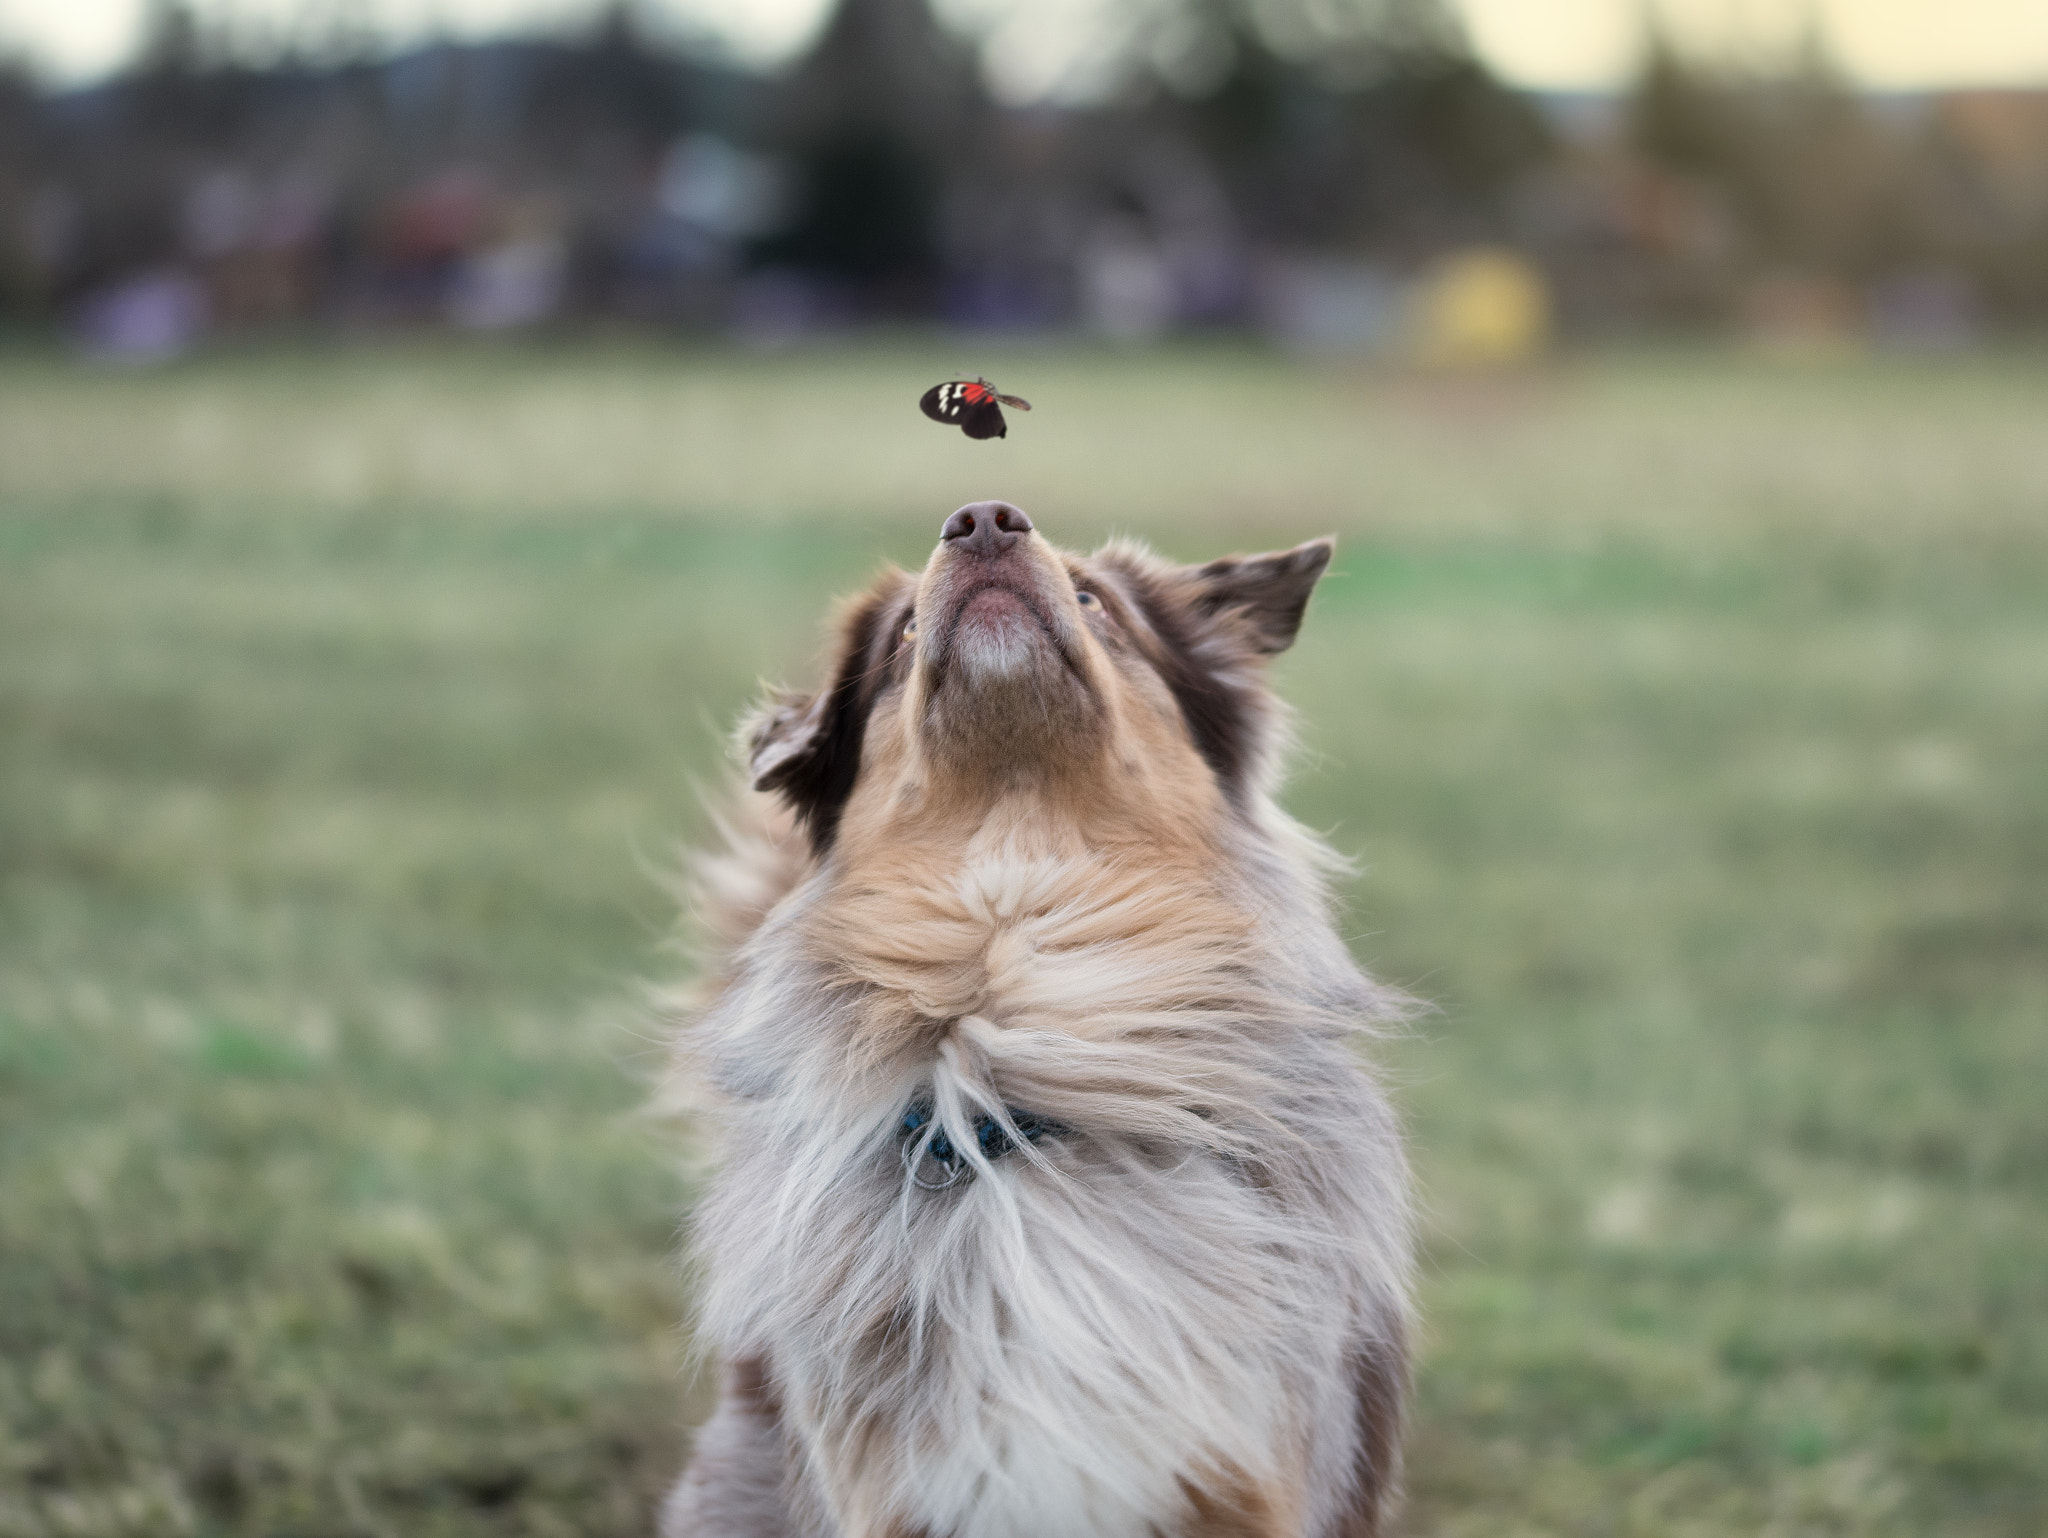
<point>1541,44</point>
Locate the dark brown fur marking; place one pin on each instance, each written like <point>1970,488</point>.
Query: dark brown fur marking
<point>1219,718</point>
<point>817,780</point>
<point>1257,603</point>
<point>1235,1508</point>
<point>748,1383</point>
<point>1381,1371</point>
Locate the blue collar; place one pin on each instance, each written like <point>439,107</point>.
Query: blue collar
<point>920,1144</point>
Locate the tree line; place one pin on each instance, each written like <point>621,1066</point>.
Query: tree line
<point>620,172</point>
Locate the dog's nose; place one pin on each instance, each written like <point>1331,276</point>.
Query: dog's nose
<point>986,528</point>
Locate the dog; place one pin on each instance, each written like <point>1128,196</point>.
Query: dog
<point>1052,1198</point>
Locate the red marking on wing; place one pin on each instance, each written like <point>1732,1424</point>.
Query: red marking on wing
<point>975,392</point>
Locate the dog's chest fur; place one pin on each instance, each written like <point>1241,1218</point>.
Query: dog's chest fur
<point>1135,1317</point>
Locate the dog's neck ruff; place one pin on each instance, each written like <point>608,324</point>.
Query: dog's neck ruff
<point>977,1338</point>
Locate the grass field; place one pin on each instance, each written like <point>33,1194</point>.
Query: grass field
<point>1688,715</point>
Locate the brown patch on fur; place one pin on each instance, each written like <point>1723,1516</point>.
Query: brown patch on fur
<point>901,929</point>
<point>1219,717</point>
<point>736,1484</point>
<point>867,1458</point>
<point>809,748</point>
<point>1233,1506</point>
<point>749,1385</point>
<point>1381,1373</point>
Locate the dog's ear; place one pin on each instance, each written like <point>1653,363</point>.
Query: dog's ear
<point>784,736</point>
<point>806,747</point>
<point>1213,624</point>
<point>1260,597</point>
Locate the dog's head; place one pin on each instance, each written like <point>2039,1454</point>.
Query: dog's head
<point>1010,665</point>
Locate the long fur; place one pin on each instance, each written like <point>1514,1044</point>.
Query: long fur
<point>1184,1314</point>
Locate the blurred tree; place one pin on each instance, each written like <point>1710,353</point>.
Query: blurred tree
<point>883,112</point>
<point>24,257</point>
<point>621,82</point>
<point>333,32</point>
<point>1682,116</point>
<point>1341,43</point>
<point>1811,180</point>
<point>184,92</point>
<point>1359,127</point>
<point>1985,159</point>
<point>172,40</point>
<point>1360,122</point>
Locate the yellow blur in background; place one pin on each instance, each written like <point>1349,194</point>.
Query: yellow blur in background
<point>1480,308</point>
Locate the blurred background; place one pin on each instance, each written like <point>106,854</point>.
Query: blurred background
<point>1351,176</point>
<point>422,427</point>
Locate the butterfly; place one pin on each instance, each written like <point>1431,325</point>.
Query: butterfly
<point>972,405</point>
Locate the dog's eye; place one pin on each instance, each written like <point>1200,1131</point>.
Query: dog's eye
<point>910,631</point>
<point>1086,599</point>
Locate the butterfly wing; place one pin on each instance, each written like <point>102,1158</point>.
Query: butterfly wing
<point>984,419</point>
<point>942,402</point>
<point>1015,400</point>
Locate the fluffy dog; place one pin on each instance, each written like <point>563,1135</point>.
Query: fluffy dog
<point>1052,1199</point>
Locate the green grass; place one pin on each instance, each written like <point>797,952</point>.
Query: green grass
<point>1686,713</point>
